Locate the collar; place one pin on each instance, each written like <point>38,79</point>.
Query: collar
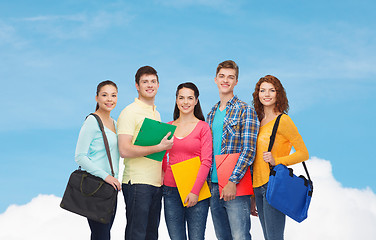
<point>232,101</point>
<point>144,105</point>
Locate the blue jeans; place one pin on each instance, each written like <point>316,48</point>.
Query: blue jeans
<point>143,211</point>
<point>177,216</point>
<point>231,219</point>
<point>272,220</point>
<point>101,231</point>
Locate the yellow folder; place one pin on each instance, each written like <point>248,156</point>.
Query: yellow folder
<point>185,174</point>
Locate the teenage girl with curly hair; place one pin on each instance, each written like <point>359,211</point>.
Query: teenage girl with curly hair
<point>270,100</point>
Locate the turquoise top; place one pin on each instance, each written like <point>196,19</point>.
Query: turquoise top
<point>217,139</point>
<point>90,150</point>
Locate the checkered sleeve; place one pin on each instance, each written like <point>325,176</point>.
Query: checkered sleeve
<point>246,143</point>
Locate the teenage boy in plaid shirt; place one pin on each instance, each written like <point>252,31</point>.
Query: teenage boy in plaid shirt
<point>234,125</point>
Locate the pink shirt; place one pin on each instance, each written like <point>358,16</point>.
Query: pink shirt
<point>197,143</point>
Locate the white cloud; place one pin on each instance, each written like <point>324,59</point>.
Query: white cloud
<point>335,213</point>
<point>6,32</point>
<point>8,36</point>
<point>228,7</point>
<point>340,50</point>
<point>75,17</point>
<point>76,26</point>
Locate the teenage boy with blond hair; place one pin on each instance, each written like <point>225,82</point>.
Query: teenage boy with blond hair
<point>234,126</point>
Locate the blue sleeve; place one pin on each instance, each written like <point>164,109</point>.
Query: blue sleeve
<point>87,134</point>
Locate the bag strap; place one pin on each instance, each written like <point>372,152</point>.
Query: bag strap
<point>274,132</point>
<point>100,123</point>
<point>272,138</point>
<point>306,170</point>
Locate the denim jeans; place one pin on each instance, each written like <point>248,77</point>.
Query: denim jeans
<point>143,211</point>
<point>101,231</point>
<point>231,219</point>
<point>176,216</point>
<point>272,220</point>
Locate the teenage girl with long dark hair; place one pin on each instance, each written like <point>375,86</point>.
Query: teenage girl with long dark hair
<point>192,138</point>
<point>91,152</point>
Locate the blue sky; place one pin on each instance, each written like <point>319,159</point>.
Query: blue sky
<point>53,54</point>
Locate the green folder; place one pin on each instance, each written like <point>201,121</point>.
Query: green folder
<point>151,133</point>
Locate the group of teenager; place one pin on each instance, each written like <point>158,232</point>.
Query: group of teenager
<point>231,126</point>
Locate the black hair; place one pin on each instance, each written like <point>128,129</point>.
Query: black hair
<point>102,84</point>
<point>197,110</point>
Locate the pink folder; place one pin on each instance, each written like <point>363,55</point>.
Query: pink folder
<point>225,166</point>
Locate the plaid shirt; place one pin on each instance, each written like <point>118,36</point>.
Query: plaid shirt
<point>240,129</point>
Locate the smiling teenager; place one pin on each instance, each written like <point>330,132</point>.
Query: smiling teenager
<point>270,100</point>
<point>91,152</point>
<point>142,177</point>
<point>192,138</point>
<point>234,126</point>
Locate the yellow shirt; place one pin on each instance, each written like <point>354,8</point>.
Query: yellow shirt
<point>139,170</point>
<point>286,137</point>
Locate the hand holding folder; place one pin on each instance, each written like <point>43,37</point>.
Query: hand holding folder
<point>151,133</point>
<point>225,166</point>
<point>185,174</point>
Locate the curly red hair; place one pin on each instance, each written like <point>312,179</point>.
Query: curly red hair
<point>281,105</point>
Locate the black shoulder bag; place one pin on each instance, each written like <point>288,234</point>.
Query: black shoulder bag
<point>88,195</point>
<point>286,192</point>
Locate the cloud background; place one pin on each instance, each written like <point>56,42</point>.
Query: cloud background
<point>335,212</point>
<point>53,54</point>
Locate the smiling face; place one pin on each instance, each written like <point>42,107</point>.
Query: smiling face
<point>186,101</point>
<point>147,87</point>
<point>267,94</point>
<point>226,80</point>
<point>107,98</point>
